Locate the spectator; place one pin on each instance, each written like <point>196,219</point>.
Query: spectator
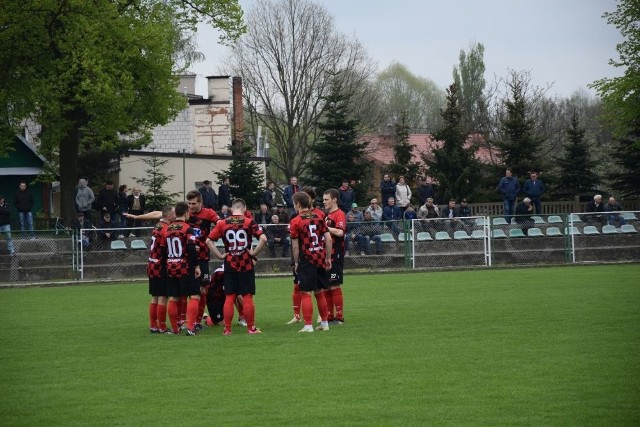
<point>209,197</point>
<point>269,195</point>
<point>370,231</point>
<point>375,210</point>
<point>282,214</point>
<point>451,212</point>
<point>5,224</point>
<point>357,214</point>
<point>224,212</point>
<point>277,235</point>
<point>387,189</point>
<point>350,233</point>
<point>108,199</point>
<point>264,215</point>
<point>84,199</point>
<point>428,210</point>
<point>533,189</point>
<point>392,215</point>
<point>509,187</point>
<point>425,190</point>
<point>594,208</point>
<point>410,213</point>
<point>346,196</point>
<point>123,208</point>
<point>135,206</point>
<point>523,215</point>
<point>107,231</point>
<point>464,211</point>
<point>82,226</point>
<point>614,206</point>
<point>23,202</point>
<point>287,194</point>
<point>403,194</point>
<point>224,193</point>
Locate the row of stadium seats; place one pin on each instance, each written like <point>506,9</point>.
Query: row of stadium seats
<point>552,219</point>
<point>118,245</point>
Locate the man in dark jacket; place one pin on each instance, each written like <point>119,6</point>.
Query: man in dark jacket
<point>346,196</point>
<point>23,202</point>
<point>108,199</point>
<point>509,187</point>
<point>425,191</point>
<point>269,195</point>
<point>224,193</point>
<point>387,189</point>
<point>5,224</point>
<point>533,189</point>
<point>209,197</point>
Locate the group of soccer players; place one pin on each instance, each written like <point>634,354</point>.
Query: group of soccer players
<point>184,239</point>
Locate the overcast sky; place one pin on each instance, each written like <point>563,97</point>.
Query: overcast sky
<point>564,42</point>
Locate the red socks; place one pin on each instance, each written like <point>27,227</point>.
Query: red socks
<point>321,300</point>
<point>161,314</point>
<point>296,296</point>
<point>192,312</point>
<point>202,306</point>
<point>227,311</point>
<point>330,309</point>
<point>172,309</point>
<point>249,311</point>
<point>336,294</point>
<point>153,316</point>
<point>307,308</point>
<point>183,309</point>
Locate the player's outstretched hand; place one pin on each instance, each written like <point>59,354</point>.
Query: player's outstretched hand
<point>198,273</point>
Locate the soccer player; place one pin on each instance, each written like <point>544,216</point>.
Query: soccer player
<point>336,222</point>
<point>183,270</point>
<point>201,220</point>
<point>296,294</point>
<point>311,248</point>
<point>157,272</point>
<point>236,232</point>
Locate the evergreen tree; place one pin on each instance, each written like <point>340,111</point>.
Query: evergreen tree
<point>577,176</point>
<point>245,176</point>
<point>519,146</point>
<point>156,196</point>
<point>339,154</point>
<point>625,175</point>
<point>403,163</point>
<point>453,166</point>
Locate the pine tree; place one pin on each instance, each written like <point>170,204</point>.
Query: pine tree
<point>156,196</point>
<point>245,176</point>
<point>577,176</point>
<point>403,163</point>
<point>453,167</point>
<point>339,154</point>
<point>625,175</point>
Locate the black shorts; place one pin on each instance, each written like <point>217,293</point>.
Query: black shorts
<point>239,282</point>
<point>335,274</point>
<point>183,286</point>
<point>310,277</point>
<point>158,287</point>
<point>205,277</point>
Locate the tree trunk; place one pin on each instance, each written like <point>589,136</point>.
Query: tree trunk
<point>68,170</point>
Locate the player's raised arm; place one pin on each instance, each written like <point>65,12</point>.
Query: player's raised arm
<point>149,216</point>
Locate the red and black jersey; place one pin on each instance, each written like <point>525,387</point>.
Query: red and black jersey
<point>309,228</point>
<point>236,233</point>
<point>202,223</point>
<point>157,266</point>
<point>337,219</point>
<point>179,241</point>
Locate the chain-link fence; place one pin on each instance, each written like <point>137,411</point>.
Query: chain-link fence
<point>483,241</point>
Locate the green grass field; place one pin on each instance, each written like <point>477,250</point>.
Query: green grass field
<point>545,346</point>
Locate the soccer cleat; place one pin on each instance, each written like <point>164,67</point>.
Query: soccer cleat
<point>324,326</point>
<point>307,328</point>
<point>198,327</point>
<point>226,332</point>
<point>242,322</point>
<point>192,332</point>
<point>296,319</point>
<point>336,322</point>
<point>170,332</point>
<point>154,330</point>
<point>254,331</point>
<point>182,325</point>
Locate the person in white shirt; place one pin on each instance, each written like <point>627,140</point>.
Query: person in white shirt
<point>375,210</point>
<point>403,194</point>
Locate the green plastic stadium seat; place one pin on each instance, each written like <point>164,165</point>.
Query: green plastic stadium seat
<point>477,234</point>
<point>554,219</point>
<point>629,216</point>
<point>574,218</point>
<point>628,228</point>
<point>590,229</point>
<point>442,235</point>
<point>535,232</point>
<point>553,231</point>
<point>516,232</point>
<point>387,237</point>
<point>423,236</point>
<point>480,222</point>
<point>401,237</point>
<point>461,235</point>
<point>609,229</point>
<point>537,219</point>
<point>138,244</point>
<point>118,245</point>
<point>572,230</point>
<point>500,221</point>
<point>498,234</point>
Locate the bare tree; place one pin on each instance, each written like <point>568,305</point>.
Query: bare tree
<point>288,59</point>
